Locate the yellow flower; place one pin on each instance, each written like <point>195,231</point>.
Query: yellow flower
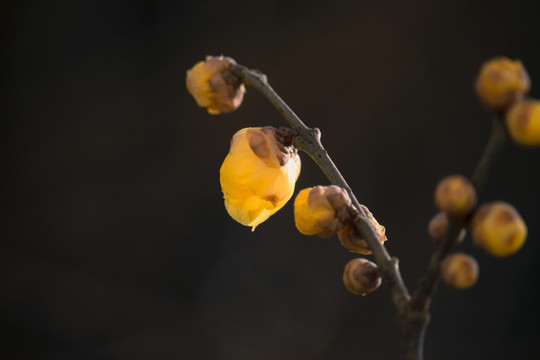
<point>258,175</point>
<point>501,82</point>
<point>499,229</point>
<point>213,86</point>
<point>523,122</point>
<point>321,210</point>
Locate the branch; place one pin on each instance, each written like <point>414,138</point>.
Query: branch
<point>309,141</point>
<point>497,141</point>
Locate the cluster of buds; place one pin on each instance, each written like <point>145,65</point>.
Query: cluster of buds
<point>497,228</point>
<point>327,210</point>
<point>502,85</point>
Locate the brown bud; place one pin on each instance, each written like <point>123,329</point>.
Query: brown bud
<point>501,82</point>
<point>437,228</point>
<point>265,144</point>
<point>459,270</point>
<point>351,239</point>
<point>455,195</point>
<point>321,210</point>
<point>361,276</point>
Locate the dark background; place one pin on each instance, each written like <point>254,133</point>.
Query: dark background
<point>116,243</point>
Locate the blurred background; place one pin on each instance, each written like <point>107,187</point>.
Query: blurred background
<point>115,241</point>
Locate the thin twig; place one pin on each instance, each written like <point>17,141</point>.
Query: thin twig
<point>494,146</point>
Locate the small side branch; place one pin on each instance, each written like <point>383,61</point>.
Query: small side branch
<point>496,143</point>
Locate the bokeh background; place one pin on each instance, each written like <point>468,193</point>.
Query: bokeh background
<point>116,244</point>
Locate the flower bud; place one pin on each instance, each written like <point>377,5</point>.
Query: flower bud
<point>321,210</point>
<point>523,122</point>
<point>258,175</point>
<point>437,228</point>
<point>361,276</point>
<point>459,270</point>
<point>351,239</point>
<point>455,195</point>
<point>498,229</point>
<point>215,87</point>
<point>501,82</point>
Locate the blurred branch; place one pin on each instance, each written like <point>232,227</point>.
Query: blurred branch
<point>494,146</point>
<point>421,299</point>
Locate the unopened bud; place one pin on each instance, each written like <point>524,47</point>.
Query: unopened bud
<point>498,229</point>
<point>501,82</point>
<point>437,228</point>
<point>523,122</point>
<point>214,86</point>
<point>459,270</point>
<point>321,210</point>
<point>361,276</point>
<point>455,195</point>
<point>351,239</point>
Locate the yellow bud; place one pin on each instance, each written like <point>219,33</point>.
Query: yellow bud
<point>459,270</point>
<point>455,195</point>
<point>523,122</point>
<point>321,210</point>
<point>361,276</point>
<point>498,229</point>
<point>258,175</point>
<point>213,86</point>
<point>437,228</point>
<point>501,82</point>
<point>351,239</point>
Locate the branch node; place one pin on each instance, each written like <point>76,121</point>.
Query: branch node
<point>316,133</point>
